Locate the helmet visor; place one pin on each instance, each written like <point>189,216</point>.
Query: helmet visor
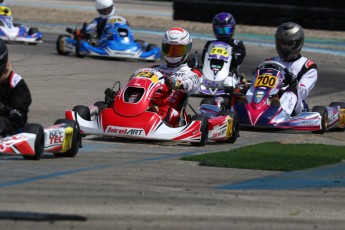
<point>287,44</point>
<point>105,11</point>
<point>223,30</point>
<point>171,50</point>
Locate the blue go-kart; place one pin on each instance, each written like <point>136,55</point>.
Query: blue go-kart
<point>116,41</point>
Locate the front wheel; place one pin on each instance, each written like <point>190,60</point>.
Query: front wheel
<point>235,130</point>
<point>75,141</point>
<point>203,129</point>
<point>78,48</point>
<point>60,44</point>
<point>322,110</point>
<point>39,141</point>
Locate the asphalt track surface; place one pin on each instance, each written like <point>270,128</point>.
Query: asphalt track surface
<point>120,184</point>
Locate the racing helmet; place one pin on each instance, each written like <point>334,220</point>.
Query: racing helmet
<point>3,57</point>
<point>176,45</point>
<point>289,40</point>
<point>223,26</point>
<point>105,8</point>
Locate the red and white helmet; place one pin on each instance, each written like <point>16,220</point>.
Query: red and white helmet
<point>105,8</point>
<point>176,45</point>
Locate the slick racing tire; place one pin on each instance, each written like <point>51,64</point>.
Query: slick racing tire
<point>322,110</point>
<point>83,111</point>
<point>59,45</point>
<point>340,104</point>
<point>76,138</point>
<point>32,31</point>
<point>101,105</point>
<point>235,126</point>
<point>207,101</point>
<point>203,129</point>
<point>39,141</point>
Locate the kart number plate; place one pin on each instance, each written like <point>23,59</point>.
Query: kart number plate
<point>266,80</point>
<point>219,51</point>
<point>5,11</point>
<point>150,75</point>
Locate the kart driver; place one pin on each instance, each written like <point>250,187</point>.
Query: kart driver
<point>180,79</point>
<point>15,97</point>
<point>302,73</point>
<point>224,29</point>
<point>105,9</point>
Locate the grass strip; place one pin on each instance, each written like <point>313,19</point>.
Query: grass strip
<point>273,156</point>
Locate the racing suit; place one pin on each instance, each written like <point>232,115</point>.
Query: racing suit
<point>301,80</point>
<point>171,102</point>
<point>15,99</point>
<point>238,53</point>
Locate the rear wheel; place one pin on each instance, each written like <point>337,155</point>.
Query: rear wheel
<point>235,132</point>
<point>322,110</point>
<point>76,138</point>
<point>60,43</point>
<point>101,105</point>
<point>83,111</point>
<point>340,104</point>
<point>39,141</point>
<point>203,129</point>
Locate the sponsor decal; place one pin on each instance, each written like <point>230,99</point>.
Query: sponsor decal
<point>56,136</point>
<point>8,142</point>
<point>125,131</point>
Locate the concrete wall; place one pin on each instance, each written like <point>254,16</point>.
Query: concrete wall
<point>326,15</point>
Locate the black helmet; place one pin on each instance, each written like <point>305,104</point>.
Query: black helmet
<point>3,57</point>
<point>289,40</point>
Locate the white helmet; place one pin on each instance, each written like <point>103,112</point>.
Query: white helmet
<point>105,8</point>
<point>176,45</point>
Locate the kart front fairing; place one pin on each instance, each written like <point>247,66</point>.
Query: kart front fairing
<point>216,67</point>
<point>16,33</point>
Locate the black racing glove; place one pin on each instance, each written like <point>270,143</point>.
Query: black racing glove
<point>289,78</point>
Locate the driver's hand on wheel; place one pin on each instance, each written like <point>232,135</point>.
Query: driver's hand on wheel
<point>172,83</point>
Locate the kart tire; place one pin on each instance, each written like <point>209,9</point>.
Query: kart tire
<point>76,138</point>
<point>39,141</point>
<point>235,126</point>
<point>151,47</point>
<point>83,111</point>
<point>340,104</point>
<point>58,45</point>
<point>208,101</point>
<point>322,110</point>
<point>77,49</point>
<point>101,106</point>
<point>32,31</point>
<point>203,129</point>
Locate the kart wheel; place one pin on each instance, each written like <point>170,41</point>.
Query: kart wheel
<point>235,126</point>
<point>59,44</point>
<point>208,101</point>
<point>77,49</point>
<point>340,104</point>
<point>39,141</point>
<point>33,30</point>
<point>83,111</point>
<point>203,129</point>
<point>322,110</point>
<point>101,105</point>
<point>76,138</point>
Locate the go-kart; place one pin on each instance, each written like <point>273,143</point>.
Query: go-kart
<point>217,80</point>
<point>62,139</point>
<point>266,84</point>
<point>116,41</point>
<point>14,32</point>
<point>133,112</point>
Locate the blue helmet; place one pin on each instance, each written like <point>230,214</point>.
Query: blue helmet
<point>223,26</point>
